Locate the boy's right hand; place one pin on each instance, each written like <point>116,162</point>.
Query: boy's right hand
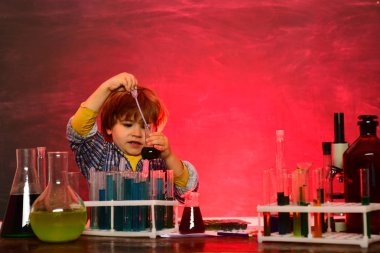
<point>121,82</point>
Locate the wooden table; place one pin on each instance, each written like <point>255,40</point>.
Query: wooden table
<point>96,244</point>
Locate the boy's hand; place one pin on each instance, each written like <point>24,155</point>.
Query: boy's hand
<point>160,142</point>
<point>121,82</point>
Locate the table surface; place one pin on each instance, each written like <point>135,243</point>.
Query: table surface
<point>97,244</point>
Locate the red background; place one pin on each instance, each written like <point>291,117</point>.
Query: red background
<point>230,73</point>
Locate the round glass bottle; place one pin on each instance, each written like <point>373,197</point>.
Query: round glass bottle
<point>364,153</point>
<point>58,214</point>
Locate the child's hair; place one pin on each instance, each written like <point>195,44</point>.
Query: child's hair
<point>121,105</point>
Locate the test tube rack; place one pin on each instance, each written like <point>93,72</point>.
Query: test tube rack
<point>329,237</point>
<point>153,232</point>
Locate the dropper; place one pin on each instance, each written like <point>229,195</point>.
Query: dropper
<point>147,152</point>
<point>135,94</point>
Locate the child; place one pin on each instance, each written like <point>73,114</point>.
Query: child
<point>123,133</point>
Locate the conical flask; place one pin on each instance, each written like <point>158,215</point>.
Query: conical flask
<point>58,214</point>
<point>25,189</point>
<point>191,221</point>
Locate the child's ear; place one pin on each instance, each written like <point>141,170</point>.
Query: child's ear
<point>109,131</point>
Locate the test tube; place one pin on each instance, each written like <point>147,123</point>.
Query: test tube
<point>143,195</point>
<point>135,196</point>
<point>327,171</point>
<point>282,198</point>
<point>269,198</point>
<point>318,199</point>
<point>365,195</point>
<point>158,182</point>
<point>303,194</point>
<point>296,201</point>
<point>128,210</point>
<point>118,213</point>
<point>93,196</point>
<point>169,196</point>
<point>102,212</point>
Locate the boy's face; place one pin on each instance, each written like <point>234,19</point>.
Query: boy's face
<point>129,136</point>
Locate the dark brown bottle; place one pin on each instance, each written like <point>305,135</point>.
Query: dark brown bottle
<point>191,221</point>
<point>363,153</point>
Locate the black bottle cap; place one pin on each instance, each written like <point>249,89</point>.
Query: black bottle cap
<point>339,127</point>
<point>368,124</point>
<point>326,148</point>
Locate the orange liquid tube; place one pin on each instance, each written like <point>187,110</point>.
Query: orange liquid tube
<point>267,230</point>
<point>317,221</point>
<point>269,197</point>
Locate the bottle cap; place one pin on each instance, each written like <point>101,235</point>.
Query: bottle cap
<point>326,148</point>
<point>367,119</point>
<point>339,127</point>
<point>368,124</point>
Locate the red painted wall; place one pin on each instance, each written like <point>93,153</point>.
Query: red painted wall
<point>230,73</point>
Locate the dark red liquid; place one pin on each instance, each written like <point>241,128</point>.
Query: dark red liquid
<point>16,222</point>
<point>191,221</point>
<point>150,153</point>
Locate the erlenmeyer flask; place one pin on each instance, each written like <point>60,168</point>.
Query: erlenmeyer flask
<point>191,221</point>
<point>58,214</point>
<point>25,189</point>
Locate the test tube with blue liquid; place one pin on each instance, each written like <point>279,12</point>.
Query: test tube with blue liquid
<point>102,211</point>
<point>158,182</point>
<point>128,210</point>
<point>143,195</point>
<point>93,196</point>
<point>110,193</point>
<point>118,210</point>
<point>169,196</point>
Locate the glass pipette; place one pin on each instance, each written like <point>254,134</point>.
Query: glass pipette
<point>147,152</point>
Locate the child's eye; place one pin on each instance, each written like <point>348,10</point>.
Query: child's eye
<point>127,124</point>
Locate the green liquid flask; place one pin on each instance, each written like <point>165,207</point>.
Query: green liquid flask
<point>58,214</point>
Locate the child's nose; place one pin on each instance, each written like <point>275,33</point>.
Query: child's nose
<point>137,131</point>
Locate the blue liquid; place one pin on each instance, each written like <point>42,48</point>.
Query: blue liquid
<point>127,224</point>
<point>135,209</point>
<point>160,210</point>
<point>143,214</point>
<point>103,213</point>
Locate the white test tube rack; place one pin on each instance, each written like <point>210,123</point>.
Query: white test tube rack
<point>152,232</point>
<point>329,237</point>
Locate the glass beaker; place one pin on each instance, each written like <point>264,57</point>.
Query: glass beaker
<point>25,189</point>
<point>148,152</point>
<point>58,214</point>
<point>191,221</point>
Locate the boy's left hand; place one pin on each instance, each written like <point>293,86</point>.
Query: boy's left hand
<point>160,142</point>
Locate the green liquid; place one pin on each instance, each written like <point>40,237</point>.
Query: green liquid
<point>58,226</point>
<point>366,201</point>
<point>296,224</point>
